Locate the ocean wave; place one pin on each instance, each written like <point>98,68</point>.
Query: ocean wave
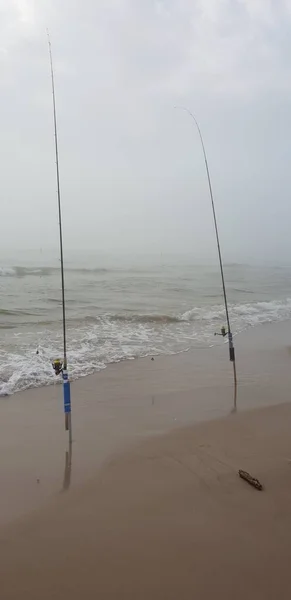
<point>14,313</point>
<point>25,271</point>
<point>95,341</point>
<point>256,313</point>
<point>242,291</point>
<point>243,314</point>
<point>158,319</point>
<point>20,272</point>
<point>88,270</point>
<point>7,272</point>
<point>237,265</point>
<point>52,300</point>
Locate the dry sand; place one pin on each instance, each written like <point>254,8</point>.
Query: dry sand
<point>168,517</point>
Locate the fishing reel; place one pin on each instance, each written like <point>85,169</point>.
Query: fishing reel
<point>223,332</point>
<point>57,365</point>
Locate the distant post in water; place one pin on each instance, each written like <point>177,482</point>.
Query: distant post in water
<point>223,332</point>
<point>64,366</point>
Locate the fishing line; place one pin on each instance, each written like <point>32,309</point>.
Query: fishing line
<point>223,332</point>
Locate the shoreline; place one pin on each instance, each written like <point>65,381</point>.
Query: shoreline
<point>194,350</point>
<point>127,402</point>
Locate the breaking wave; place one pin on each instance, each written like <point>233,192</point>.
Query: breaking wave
<point>94,342</point>
<point>158,319</point>
<point>44,271</point>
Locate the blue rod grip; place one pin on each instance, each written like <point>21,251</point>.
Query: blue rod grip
<point>67,394</point>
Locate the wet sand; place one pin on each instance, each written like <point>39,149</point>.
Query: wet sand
<point>125,403</point>
<point>168,519</point>
<point>150,512</point>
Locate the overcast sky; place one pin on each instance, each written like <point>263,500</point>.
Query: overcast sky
<point>132,171</point>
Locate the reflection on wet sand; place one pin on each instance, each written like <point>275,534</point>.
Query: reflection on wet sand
<point>68,468</point>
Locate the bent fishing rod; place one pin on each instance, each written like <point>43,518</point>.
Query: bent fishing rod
<point>223,332</point>
<point>61,367</point>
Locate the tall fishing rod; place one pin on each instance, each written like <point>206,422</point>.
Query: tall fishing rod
<point>228,333</point>
<point>58,366</point>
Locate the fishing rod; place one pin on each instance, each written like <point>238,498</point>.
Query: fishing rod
<point>59,366</point>
<point>223,332</point>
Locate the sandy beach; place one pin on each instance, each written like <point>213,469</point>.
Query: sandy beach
<point>154,507</point>
<point>145,241</point>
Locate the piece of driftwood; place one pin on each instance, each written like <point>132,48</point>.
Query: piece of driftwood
<point>251,480</point>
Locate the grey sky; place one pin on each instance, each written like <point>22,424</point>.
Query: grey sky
<point>132,171</point>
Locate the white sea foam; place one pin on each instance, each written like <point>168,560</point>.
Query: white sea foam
<point>247,314</point>
<point>94,345</point>
<point>7,272</point>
